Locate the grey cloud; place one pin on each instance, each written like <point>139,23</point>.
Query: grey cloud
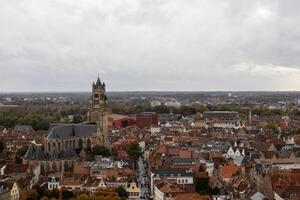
<point>149,44</point>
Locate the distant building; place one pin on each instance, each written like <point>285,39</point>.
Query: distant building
<point>174,104</point>
<point>221,115</point>
<point>146,119</point>
<point>58,152</point>
<point>155,104</point>
<point>120,121</point>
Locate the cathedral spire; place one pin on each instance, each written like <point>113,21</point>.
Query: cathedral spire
<point>98,81</point>
<point>98,112</point>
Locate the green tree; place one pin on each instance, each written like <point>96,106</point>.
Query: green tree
<point>83,197</point>
<point>273,127</point>
<point>67,194</point>
<point>134,151</point>
<point>21,151</point>
<point>101,150</point>
<point>202,186</point>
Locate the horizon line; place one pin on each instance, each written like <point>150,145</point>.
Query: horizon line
<point>86,91</point>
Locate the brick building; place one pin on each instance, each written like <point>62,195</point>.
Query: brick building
<point>146,119</point>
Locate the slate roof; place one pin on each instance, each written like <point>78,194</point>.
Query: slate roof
<point>172,172</point>
<point>23,128</point>
<point>54,154</point>
<point>182,160</point>
<point>36,152</point>
<point>257,196</point>
<point>68,153</point>
<point>39,153</point>
<point>59,131</point>
<point>30,152</point>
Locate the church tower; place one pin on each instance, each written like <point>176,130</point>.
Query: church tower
<point>98,112</point>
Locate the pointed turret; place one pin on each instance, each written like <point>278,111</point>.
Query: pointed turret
<point>98,112</point>
<point>98,83</point>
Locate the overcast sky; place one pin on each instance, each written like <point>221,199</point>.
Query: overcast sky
<point>61,45</point>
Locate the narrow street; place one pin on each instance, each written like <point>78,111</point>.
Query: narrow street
<point>143,180</point>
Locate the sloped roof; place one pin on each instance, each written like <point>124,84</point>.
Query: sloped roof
<point>182,160</point>
<point>39,153</point>
<point>191,196</point>
<point>23,128</point>
<point>257,196</point>
<point>16,168</point>
<point>54,154</point>
<point>173,172</point>
<point>71,130</point>
<point>68,153</point>
<point>229,170</point>
<point>30,152</point>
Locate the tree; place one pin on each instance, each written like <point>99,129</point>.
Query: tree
<point>121,192</point>
<point>101,150</point>
<point>67,194</point>
<point>202,186</point>
<point>29,195</point>
<point>22,151</point>
<point>134,151</point>
<point>201,168</point>
<point>83,197</point>
<point>2,146</point>
<point>54,193</point>
<point>77,119</point>
<point>273,127</point>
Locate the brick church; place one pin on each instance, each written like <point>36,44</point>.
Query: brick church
<point>58,151</point>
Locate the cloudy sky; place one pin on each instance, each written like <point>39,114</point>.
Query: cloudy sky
<point>61,45</point>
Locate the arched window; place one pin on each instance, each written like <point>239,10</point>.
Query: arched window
<point>80,143</point>
<point>88,145</point>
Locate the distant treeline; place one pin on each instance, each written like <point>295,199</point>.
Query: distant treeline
<point>40,116</point>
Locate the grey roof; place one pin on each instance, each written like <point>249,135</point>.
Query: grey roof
<point>71,130</point>
<point>54,154</point>
<point>172,172</point>
<point>36,152</point>
<point>285,154</point>
<point>30,152</point>
<point>68,153</point>
<point>182,160</point>
<point>239,160</point>
<point>23,128</point>
<point>257,196</point>
<point>39,153</point>
<point>253,156</point>
<point>260,168</point>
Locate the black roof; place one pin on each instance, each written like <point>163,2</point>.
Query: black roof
<point>182,160</point>
<point>173,172</point>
